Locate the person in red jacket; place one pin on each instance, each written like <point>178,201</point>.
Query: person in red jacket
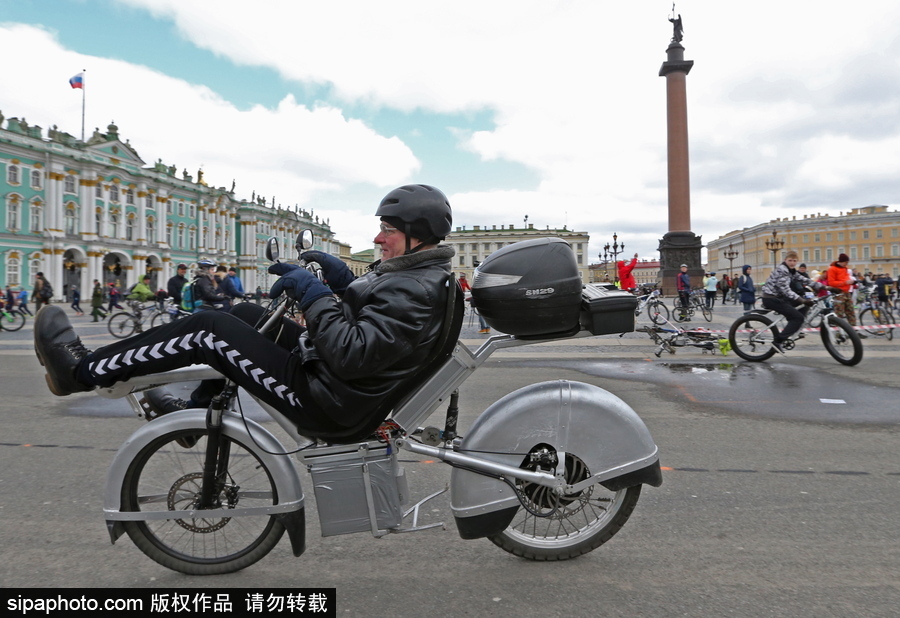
<point>626,279</point>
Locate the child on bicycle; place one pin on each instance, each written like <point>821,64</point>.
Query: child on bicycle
<point>778,296</point>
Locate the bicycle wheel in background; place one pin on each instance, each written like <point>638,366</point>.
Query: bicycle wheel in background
<point>841,341</point>
<point>751,337</point>
<point>680,314</point>
<point>707,313</point>
<point>658,312</point>
<point>12,321</point>
<point>122,324</point>
<point>873,319</point>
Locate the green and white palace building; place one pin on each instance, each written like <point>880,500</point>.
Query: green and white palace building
<point>83,210</point>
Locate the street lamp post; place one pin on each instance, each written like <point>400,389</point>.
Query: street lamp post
<point>774,245</point>
<point>730,255</point>
<point>613,251</point>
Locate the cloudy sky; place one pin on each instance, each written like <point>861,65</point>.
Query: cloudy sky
<point>554,110</point>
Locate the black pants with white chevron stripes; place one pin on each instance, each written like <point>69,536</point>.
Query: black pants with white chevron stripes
<point>229,343</point>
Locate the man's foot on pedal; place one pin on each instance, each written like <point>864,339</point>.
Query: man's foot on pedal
<point>59,350</point>
<point>160,401</point>
<point>778,346</point>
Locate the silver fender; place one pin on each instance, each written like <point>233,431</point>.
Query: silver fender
<point>572,417</point>
<point>284,474</point>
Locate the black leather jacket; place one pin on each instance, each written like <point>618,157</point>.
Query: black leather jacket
<point>356,352</point>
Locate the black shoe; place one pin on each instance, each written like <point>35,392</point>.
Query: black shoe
<point>59,350</point>
<point>160,401</point>
<point>777,345</point>
<point>862,334</point>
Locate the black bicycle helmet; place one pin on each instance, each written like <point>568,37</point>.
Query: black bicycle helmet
<point>423,209</point>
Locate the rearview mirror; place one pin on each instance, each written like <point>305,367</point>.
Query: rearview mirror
<point>272,252</point>
<point>304,241</point>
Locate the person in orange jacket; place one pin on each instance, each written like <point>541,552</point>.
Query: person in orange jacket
<point>838,276</point>
<point>626,279</point>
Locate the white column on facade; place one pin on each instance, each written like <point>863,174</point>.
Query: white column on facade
<point>162,215</point>
<point>141,232</point>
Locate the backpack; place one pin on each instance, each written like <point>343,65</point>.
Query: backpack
<point>46,291</point>
<point>188,303</point>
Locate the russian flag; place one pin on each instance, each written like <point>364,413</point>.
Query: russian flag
<point>77,81</point>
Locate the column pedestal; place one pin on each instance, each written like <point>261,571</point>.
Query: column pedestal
<point>675,249</point>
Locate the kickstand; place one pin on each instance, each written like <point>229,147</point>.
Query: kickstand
<point>414,509</point>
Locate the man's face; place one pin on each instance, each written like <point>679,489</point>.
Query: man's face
<point>684,269</point>
<point>791,262</point>
<point>392,241</point>
<point>181,271</point>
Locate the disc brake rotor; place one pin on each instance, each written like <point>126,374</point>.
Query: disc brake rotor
<point>185,494</point>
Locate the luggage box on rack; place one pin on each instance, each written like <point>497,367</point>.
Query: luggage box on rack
<point>605,311</point>
<point>530,288</point>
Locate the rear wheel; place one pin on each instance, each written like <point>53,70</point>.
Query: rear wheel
<point>561,527</point>
<point>12,320</point>
<point>707,313</point>
<point>658,312</point>
<point>841,341</point>
<point>751,337</point>
<point>122,324</point>
<point>166,476</point>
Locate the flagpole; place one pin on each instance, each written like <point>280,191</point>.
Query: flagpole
<point>83,94</point>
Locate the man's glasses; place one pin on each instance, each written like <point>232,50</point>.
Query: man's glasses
<point>387,230</point>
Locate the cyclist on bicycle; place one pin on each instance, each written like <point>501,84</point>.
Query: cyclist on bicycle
<point>778,295</point>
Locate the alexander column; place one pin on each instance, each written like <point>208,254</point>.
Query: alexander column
<point>679,245</point>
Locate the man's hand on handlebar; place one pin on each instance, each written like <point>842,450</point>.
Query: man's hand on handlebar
<point>336,272</point>
<point>834,290</point>
<point>299,284</point>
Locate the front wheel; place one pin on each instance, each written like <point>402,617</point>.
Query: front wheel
<point>12,321</point>
<point>561,527</point>
<point>707,313</point>
<point>122,324</point>
<point>751,337</point>
<point>658,312</point>
<point>841,341</point>
<point>167,476</point>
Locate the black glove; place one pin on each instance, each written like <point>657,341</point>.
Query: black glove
<point>301,285</point>
<point>282,268</point>
<point>336,272</point>
<point>808,302</point>
<point>834,290</point>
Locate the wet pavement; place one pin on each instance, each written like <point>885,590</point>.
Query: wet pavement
<point>768,390</point>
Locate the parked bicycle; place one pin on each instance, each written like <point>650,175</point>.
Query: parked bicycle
<point>876,317</point>
<point>656,309</point>
<point>671,337</point>
<point>751,335</point>
<point>697,303</point>
<point>126,323</point>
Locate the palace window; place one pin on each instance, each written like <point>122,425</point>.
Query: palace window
<point>12,174</point>
<point>180,209</point>
<point>69,186</point>
<point>98,223</point>
<point>12,214</point>
<point>151,230</point>
<point>129,228</point>
<point>98,190</point>
<point>114,193</point>
<point>36,217</point>
<point>129,196</point>
<point>35,179</point>
<point>169,234</point>
<point>13,271</point>
<point>192,238</point>
<point>71,221</point>
<point>181,236</point>
<point>114,225</point>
